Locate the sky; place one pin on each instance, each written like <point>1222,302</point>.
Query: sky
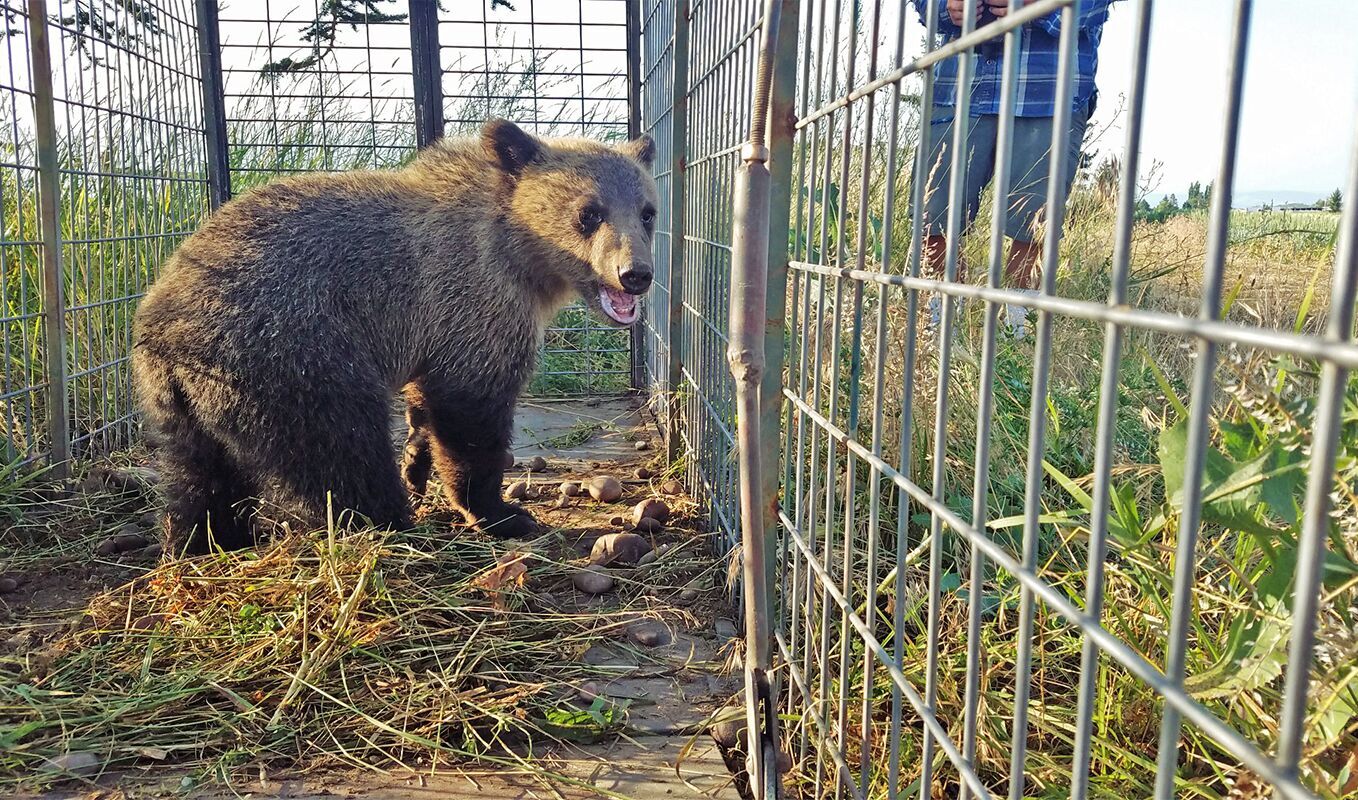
<point>1301,93</point>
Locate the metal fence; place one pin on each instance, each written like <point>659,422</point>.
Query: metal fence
<point>942,623</point>
<point>934,599</point>
<point>103,173</point>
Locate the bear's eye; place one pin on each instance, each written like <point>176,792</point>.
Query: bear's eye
<point>591,217</point>
<point>648,216</point>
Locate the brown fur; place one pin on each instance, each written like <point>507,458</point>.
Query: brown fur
<point>266,356</point>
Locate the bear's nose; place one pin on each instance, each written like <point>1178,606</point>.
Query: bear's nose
<point>635,277</point>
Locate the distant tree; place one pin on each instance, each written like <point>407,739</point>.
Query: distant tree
<point>1335,201</point>
<point>1143,210</point>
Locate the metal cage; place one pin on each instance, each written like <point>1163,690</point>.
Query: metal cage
<point>920,617</point>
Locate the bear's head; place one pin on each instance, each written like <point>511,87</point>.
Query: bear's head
<point>588,208</point>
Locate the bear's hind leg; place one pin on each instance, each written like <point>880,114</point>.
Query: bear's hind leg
<point>417,461</point>
<point>347,466</point>
<point>469,454</point>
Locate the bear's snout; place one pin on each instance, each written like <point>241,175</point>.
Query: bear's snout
<point>635,277</point>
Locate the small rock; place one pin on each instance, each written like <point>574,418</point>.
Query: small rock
<point>687,597</point>
<point>509,460</point>
<point>655,509</point>
<point>617,520</point>
<point>648,558</point>
<point>592,580</point>
<point>562,501</point>
<point>649,525</point>
<point>80,763</point>
<point>570,489</point>
<point>618,548</point>
<point>725,628</point>
<point>592,402</point>
<point>650,634</point>
<point>153,551</point>
<point>605,489</point>
<point>537,464</point>
<point>672,487</point>
<point>642,473</point>
<point>588,691</point>
<point>642,445</point>
<point>149,622</point>
<point>149,520</point>
<point>107,547</point>
<point>517,490</point>
<point>129,539</point>
<point>8,585</point>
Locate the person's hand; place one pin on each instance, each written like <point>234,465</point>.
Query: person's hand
<point>998,8</point>
<point>956,8</point>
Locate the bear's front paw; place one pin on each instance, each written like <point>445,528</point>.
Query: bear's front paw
<point>508,522</point>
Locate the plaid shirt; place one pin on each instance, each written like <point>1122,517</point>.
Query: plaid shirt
<point>1039,45</point>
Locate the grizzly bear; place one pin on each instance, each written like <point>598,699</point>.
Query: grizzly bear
<point>267,355</point>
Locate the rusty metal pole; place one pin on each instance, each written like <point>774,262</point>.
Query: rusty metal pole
<point>49,221</point>
<point>748,321</point>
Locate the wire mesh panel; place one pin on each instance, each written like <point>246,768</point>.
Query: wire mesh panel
<point>133,185</point>
<point>1053,542</point>
<point>112,116</point>
<point>309,88</point>
<point>664,39</point>
<point>24,387</point>
<point>721,65</point>
<point>558,68</point>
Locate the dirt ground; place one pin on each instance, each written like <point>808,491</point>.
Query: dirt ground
<point>673,688</point>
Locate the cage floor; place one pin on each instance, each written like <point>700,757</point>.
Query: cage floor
<point>660,750</point>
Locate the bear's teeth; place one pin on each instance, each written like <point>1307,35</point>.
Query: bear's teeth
<point>620,306</point>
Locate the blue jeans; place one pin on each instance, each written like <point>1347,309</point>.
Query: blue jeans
<point>1030,166</point>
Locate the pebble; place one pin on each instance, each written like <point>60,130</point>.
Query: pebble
<point>592,580</point>
<point>129,539</point>
<point>107,547</point>
<point>649,558</point>
<point>650,634</point>
<point>655,509</point>
<point>619,548</point>
<point>725,628</point>
<point>672,487</point>
<point>617,520</point>
<point>79,763</point>
<point>537,464</point>
<point>8,585</point>
<point>517,490</point>
<point>642,473</point>
<point>642,445</point>
<point>570,489</point>
<point>648,525</point>
<point>562,501</point>
<point>149,622</point>
<point>150,519</point>
<point>588,691</point>
<point>153,551</point>
<point>688,597</point>
<point>605,489</point>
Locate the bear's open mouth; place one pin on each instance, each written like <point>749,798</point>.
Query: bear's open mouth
<point>620,306</point>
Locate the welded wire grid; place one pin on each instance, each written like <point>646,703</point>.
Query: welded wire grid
<point>721,62</point>
<point>129,180</point>
<point>304,93</point>
<point>663,87</point>
<point>898,588</point>
<point>557,68</point>
<point>23,392</point>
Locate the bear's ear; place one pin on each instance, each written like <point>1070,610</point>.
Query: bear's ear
<point>642,149</point>
<point>509,145</point>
